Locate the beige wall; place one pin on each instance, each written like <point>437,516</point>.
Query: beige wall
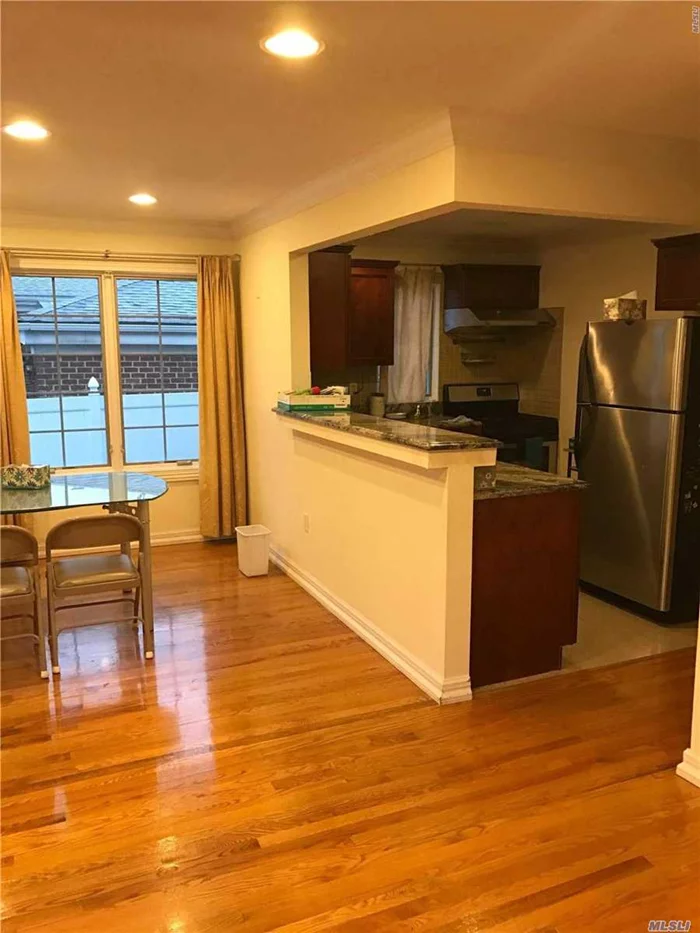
<point>689,768</point>
<point>578,277</point>
<point>34,232</point>
<point>174,517</point>
<point>560,168</point>
<point>275,314</point>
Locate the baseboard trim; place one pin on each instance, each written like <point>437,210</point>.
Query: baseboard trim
<point>158,539</point>
<point>456,690</point>
<point>689,768</point>
<point>450,690</point>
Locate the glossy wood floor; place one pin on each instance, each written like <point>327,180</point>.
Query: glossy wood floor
<point>269,771</point>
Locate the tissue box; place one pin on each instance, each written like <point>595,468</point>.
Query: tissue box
<point>624,309</point>
<point>23,476</point>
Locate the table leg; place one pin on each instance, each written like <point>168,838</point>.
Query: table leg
<point>143,514</point>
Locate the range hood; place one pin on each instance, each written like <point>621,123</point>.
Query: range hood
<point>466,324</point>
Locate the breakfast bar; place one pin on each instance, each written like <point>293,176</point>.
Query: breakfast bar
<point>380,522</point>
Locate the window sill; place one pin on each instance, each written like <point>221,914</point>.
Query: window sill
<point>170,472</point>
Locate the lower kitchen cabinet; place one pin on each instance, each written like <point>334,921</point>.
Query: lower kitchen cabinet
<point>525,576</point>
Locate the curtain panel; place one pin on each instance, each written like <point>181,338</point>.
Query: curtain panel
<point>415,305</point>
<point>223,487</point>
<point>14,418</point>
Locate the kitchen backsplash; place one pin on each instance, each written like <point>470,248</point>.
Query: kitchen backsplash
<point>532,360</point>
<point>364,377</point>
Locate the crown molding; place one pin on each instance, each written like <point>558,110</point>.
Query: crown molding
<point>427,139</point>
<point>145,227</point>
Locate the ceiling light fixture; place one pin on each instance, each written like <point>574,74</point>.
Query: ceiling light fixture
<point>143,199</point>
<point>292,43</point>
<point>26,129</point>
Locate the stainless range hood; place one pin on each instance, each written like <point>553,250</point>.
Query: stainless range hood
<point>466,324</point>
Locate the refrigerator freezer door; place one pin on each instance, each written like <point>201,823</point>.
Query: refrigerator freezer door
<point>630,459</point>
<point>636,365</point>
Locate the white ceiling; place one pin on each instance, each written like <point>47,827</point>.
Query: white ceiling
<point>462,227</point>
<point>176,98</point>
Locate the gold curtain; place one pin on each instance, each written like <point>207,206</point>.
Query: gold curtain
<point>14,419</point>
<point>223,492</point>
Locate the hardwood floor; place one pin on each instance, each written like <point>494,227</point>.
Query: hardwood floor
<point>269,771</point>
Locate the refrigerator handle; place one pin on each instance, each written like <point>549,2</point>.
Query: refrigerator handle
<point>583,424</point>
<point>583,386</point>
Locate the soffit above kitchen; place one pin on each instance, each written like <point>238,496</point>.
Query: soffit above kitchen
<point>494,232</point>
<point>179,98</point>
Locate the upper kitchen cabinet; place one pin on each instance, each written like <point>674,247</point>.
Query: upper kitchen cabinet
<point>329,297</point>
<point>371,313</point>
<point>678,273</point>
<point>351,310</point>
<point>492,287</point>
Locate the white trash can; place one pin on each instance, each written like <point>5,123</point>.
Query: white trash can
<point>253,549</point>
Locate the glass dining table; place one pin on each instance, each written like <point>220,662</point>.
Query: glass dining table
<point>131,493</point>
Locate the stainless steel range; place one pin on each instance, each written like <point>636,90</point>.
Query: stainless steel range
<point>527,439</point>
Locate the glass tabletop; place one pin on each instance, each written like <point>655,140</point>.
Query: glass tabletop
<point>78,489</point>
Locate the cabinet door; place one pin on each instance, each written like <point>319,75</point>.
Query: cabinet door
<point>524,584</point>
<point>492,287</point>
<point>329,289</point>
<point>370,329</point>
<point>678,274</point>
<point>453,289</point>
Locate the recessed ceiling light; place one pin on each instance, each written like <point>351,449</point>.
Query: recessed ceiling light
<point>26,129</point>
<point>143,199</point>
<point>292,43</point>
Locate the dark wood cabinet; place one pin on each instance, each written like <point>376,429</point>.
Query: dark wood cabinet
<point>371,313</point>
<point>351,309</point>
<point>492,287</point>
<point>525,572</point>
<point>329,296</point>
<point>678,273</point>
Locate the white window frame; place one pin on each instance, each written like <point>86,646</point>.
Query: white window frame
<point>106,271</point>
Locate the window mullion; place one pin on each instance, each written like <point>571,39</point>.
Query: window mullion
<point>110,349</point>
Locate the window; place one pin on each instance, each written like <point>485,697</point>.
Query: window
<point>60,332</point>
<point>158,368</point>
<point>110,365</point>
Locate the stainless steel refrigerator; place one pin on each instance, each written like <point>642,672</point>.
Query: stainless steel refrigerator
<point>638,448</point>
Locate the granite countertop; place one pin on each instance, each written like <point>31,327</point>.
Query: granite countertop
<point>515,480</point>
<point>395,432</point>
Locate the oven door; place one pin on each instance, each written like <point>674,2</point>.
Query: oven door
<point>531,452</point>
